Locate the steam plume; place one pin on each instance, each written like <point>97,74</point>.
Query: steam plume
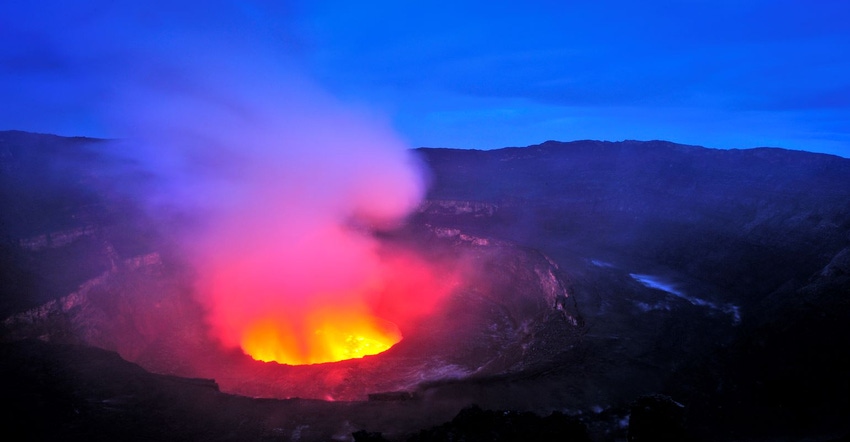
<point>290,184</point>
<point>287,182</point>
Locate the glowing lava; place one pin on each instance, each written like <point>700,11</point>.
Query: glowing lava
<point>297,314</point>
<point>326,335</point>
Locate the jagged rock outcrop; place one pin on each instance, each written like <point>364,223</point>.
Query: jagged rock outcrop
<point>477,209</point>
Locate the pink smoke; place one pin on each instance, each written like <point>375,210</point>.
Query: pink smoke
<point>289,185</point>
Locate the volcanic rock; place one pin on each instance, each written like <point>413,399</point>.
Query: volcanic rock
<point>603,272</point>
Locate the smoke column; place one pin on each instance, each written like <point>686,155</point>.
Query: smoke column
<point>289,185</point>
<point>283,182</point>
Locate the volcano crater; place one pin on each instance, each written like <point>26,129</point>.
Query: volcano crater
<point>145,310</point>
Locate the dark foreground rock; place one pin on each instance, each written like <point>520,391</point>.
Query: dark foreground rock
<point>60,392</point>
<point>657,418</point>
<point>476,425</point>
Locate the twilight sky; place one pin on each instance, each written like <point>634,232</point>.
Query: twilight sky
<point>468,74</point>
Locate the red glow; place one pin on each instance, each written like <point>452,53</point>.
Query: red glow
<point>287,181</point>
<point>332,295</point>
<point>324,327</point>
<point>411,288</point>
<point>326,335</point>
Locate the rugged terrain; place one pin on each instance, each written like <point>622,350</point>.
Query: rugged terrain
<point>606,276</point>
<point>742,255</point>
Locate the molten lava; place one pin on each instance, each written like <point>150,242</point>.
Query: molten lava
<point>325,335</point>
<point>291,316</point>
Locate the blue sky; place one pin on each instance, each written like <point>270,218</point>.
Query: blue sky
<point>468,74</point>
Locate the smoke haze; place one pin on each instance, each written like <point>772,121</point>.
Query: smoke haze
<point>291,183</point>
<point>284,184</point>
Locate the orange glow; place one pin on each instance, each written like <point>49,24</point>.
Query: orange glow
<point>322,315</point>
<point>326,335</point>
<point>296,288</point>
